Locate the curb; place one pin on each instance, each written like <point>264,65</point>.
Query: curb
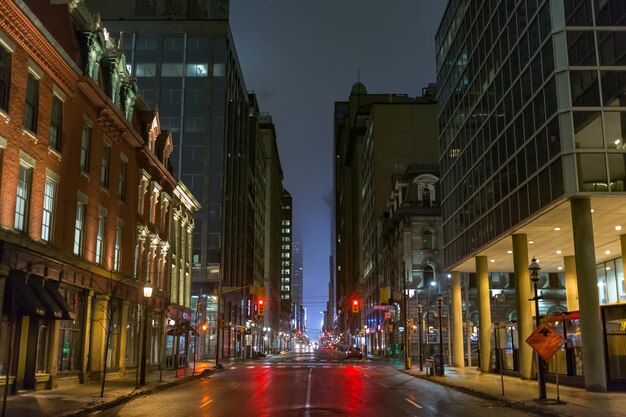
<point>105,405</point>
<point>527,407</point>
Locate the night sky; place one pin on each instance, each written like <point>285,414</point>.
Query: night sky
<point>299,57</point>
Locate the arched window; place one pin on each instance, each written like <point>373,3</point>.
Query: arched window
<point>429,276</point>
<point>427,239</point>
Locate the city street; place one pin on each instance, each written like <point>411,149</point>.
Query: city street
<point>320,383</point>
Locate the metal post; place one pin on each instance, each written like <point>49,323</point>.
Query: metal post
<point>419,318</point>
<point>407,358</point>
<point>534,269</point>
<point>439,305</point>
<point>468,323</point>
<point>497,338</point>
<point>219,326</point>
<point>142,374</point>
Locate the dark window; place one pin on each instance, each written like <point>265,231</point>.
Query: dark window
<point>104,168</point>
<point>121,189</point>
<point>56,123</point>
<point>31,106</point>
<point>5,77</point>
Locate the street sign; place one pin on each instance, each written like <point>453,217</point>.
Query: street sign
<point>545,340</point>
<point>380,307</point>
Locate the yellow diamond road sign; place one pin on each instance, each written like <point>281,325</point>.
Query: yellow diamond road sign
<point>546,341</point>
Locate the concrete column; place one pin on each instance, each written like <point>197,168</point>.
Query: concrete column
<point>53,352</point>
<point>457,321</point>
<point>99,325</point>
<point>571,284</point>
<point>524,306</point>
<point>590,321</point>
<point>484,313</point>
<point>86,318</point>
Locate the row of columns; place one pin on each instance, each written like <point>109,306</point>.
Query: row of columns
<point>581,291</point>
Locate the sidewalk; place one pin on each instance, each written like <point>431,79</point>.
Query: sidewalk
<point>523,394</point>
<point>80,399</point>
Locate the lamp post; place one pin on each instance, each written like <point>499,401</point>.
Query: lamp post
<point>439,305</point>
<point>497,295</point>
<point>405,309</point>
<point>147,293</point>
<point>419,334</point>
<point>534,269</point>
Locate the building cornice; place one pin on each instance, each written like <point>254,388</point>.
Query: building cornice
<point>25,29</point>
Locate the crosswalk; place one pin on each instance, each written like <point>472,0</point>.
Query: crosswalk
<point>282,365</point>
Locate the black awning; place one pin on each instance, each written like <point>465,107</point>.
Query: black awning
<point>53,311</point>
<point>181,328</point>
<point>53,289</point>
<point>19,299</point>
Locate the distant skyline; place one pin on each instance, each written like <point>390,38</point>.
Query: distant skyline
<point>299,57</point>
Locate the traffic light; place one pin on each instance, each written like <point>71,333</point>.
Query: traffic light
<point>203,327</point>
<point>261,307</point>
<point>355,306</point>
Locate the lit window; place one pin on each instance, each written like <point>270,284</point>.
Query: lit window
<point>197,70</point>
<point>117,249</point>
<point>22,200</point>
<point>100,240</point>
<point>79,228</point>
<point>49,195</point>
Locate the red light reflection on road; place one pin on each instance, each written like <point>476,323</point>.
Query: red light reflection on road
<point>352,390</point>
<point>261,379</point>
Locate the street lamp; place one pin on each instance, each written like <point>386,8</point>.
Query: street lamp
<point>147,293</point>
<point>534,269</point>
<point>419,334</point>
<point>439,305</point>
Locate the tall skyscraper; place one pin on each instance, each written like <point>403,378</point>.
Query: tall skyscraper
<point>532,117</point>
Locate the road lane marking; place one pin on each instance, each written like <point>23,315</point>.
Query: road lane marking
<point>386,386</point>
<point>366,375</point>
<point>415,404</point>
<point>206,403</point>
<point>308,395</point>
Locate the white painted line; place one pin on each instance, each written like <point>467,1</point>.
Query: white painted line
<point>415,404</point>
<point>206,403</point>
<point>384,385</point>
<point>366,375</point>
<point>308,396</point>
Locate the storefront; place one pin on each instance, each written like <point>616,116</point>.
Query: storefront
<point>179,346</point>
<point>33,310</point>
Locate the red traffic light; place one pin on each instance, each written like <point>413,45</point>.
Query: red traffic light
<point>261,307</point>
<point>355,306</point>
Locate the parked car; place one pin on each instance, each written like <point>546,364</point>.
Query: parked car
<point>354,352</point>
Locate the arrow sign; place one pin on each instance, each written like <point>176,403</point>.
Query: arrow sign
<point>546,341</point>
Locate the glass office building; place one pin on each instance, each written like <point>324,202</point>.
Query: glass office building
<point>532,116</point>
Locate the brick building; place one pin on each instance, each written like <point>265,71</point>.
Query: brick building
<point>77,242</point>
